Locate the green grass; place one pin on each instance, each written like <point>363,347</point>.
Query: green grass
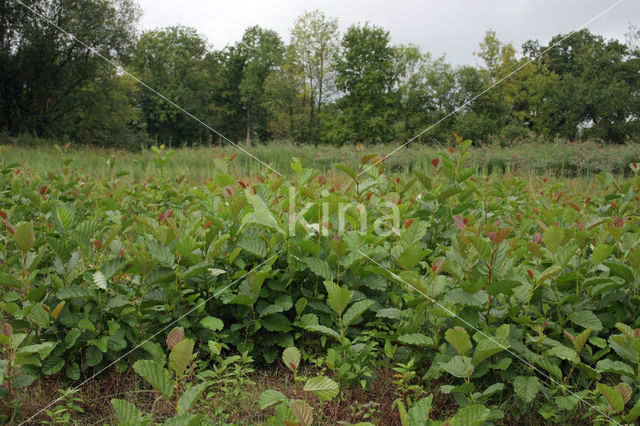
<point>553,159</point>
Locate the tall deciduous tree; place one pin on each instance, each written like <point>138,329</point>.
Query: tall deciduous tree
<point>171,61</point>
<point>48,76</point>
<point>596,92</point>
<point>262,51</point>
<point>311,59</point>
<point>499,60</point>
<point>367,75</point>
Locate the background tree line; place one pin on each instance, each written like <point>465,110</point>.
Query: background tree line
<point>322,87</point>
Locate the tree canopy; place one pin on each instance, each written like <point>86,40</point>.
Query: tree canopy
<point>321,87</point>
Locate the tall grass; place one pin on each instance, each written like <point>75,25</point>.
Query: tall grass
<point>553,159</point>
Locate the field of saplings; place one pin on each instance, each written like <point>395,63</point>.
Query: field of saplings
<point>357,296</point>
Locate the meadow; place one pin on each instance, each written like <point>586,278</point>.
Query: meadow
<point>531,157</point>
<point>445,286</point>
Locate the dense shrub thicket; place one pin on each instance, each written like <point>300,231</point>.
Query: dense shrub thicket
<point>513,302</point>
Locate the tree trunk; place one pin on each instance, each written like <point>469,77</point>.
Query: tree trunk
<point>249,122</point>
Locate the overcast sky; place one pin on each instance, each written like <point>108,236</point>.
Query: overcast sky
<point>441,27</point>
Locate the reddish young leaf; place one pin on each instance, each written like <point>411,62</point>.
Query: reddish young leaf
<point>9,227</point>
<point>174,337</point>
<point>459,221</point>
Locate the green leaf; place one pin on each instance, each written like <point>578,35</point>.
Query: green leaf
<point>319,267</point>
<point>402,413</point>
<point>52,365</point>
<point>562,352</point>
<point>553,238</point>
<point>128,414</point>
<point>337,297</point>
<point>458,366</point>
<point>270,397</point>
<point>277,322</point>
<point>42,349</point>
<point>156,375</point>
<point>419,411</point>
<point>40,316</point>
<point>93,356</point>
<point>615,367</point>
<point>301,304</point>
<point>186,419</point>
<point>155,350</point>
<point>212,323</point>
<point>600,253</point>
<point>112,267</point>
<point>547,273</point>
<point>619,269</point>
<point>74,292</point>
<point>355,311</point>
<point>581,339</point>
<point>291,358</point>
<point>101,343</point>
<point>612,395</point>
<point>503,287</point>
<point>9,281</point>
<point>262,217</point>
<point>324,330</point>
<point>323,387</point>
<point>410,257</point>
<point>459,339</point>
<point>526,388</point>
<point>180,356</point>
<point>416,339</point>
<point>73,371</point>
<point>391,313</point>
<point>100,280</point>
<point>481,246</point>
<point>22,381</point>
<point>471,415</point>
<point>487,348</point>
<point>161,253</point>
<point>191,396</point>
<point>587,319</point>
<point>24,236</point>
<point>348,170</point>
<point>255,246</point>
<point>302,411</point>
<point>64,217</point>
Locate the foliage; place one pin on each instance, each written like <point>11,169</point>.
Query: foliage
<point>293,410</point>
<point>514,302</point>
<point>64,412</point>
<point>53,85</point>
<point>171,62</point>
<point>323,87</point>
<point>366,74</point>
<point>154,372</point>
